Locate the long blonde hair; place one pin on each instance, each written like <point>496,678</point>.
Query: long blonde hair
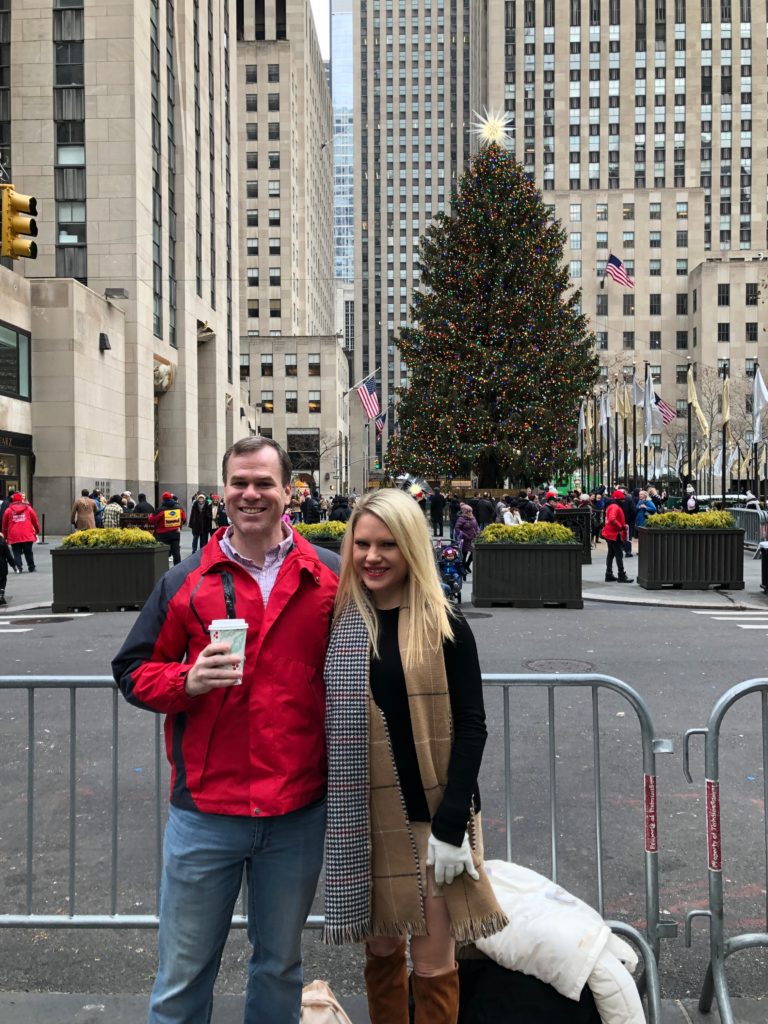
<point>429,610</point>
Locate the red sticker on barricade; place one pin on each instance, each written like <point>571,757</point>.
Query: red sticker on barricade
<point>651,830</point>
<point>714,849</point>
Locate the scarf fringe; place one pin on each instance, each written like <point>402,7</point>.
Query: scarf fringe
<point>343,934</point>
<point>469,931</point>
<point>398,929</point>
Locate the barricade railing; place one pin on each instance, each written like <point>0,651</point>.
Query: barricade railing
<point>754,523</point>
<point>646,938</point>
<point>716,982</point>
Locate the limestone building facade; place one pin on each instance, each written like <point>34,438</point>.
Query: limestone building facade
<point>122,121</point>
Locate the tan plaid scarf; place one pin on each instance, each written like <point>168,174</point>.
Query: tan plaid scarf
<point>395,880</point>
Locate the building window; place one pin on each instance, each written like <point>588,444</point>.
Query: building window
<point>575,240</point>
<point>251,74</point>
<point>266,364</point>
<point>274,246</point>
<point>69,63</point>
<point>601,211</point>
<point>654,268</point>
<point>723,367</point>
<point>628,211</point>
<point>601,340</point>
<point>15,364</point>
<point>252,189</point>
<point>681,268</point>
<point>71,217</point>
<point>723,332</point>
<point>681,239</point>
<point>575,211</point>
<point>274,276</point>
<point>681,373</point>
<point>251,102</point>
<point>314,401</point>
<point>750,328</point>
<point>273,160</point>
<point>273,131</point>
<point>654,240</point>
<point>682,211</point>
<point>681,404</point>
<point>252,218</point>
<point>274,189</point>
<point>654,304</point>
<point>654,339</point>
<point>252,246</point>
<point>253,309</point>
<point>601,305</point>
<point>252,161</point>
<point>628,305</point>
<point>273,72</point>
<point>273,101</point>
<point>574,269</point>
<point>655,373</point>
<point>267,402</point>
<point>274,218</point>
<point>629,239</point>
<point>252,131</point>
<point>750,365</point>
<point>291,401</point>
<point>291,364</point>
<point>313,364</point>
<point>245,365</point>
<point>629,339</point>
<point>681,304</point>
<point>681,339</point>
<point>751,294</point>
<point>723,295</point>
<point>654,211</point>
<point>252,277</point>
<point>601,240</point>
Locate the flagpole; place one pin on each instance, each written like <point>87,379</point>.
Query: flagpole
<point>756,488</point>
<point>602,481</point>
<point>646,412</point>
<point>615,428</point>
<point>626,446</point>
<point>594,440</point>
<point>725,431</point>
<point>634,429</point>
<point>581,440</point>
<point>357,385</point>
<point>689,474</point>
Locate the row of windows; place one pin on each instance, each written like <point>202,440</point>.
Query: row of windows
<point>252,102</point>
<point>275,308</point>
<point>252,189</point>
<point>628,240</point>
<point>251,73</point>
<point>291,402</point>
<point>252,131</point>
<point>252,246</point>
<point>273,161</point>
<point>252,276</point>
<point>628,211</point>
<point>252,218</point>
<point>751,291</point>
<point>654,268</point>
<point>291,364</point>
<point>681,337</point>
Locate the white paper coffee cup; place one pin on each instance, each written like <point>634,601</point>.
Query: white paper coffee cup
<point>232,632</point>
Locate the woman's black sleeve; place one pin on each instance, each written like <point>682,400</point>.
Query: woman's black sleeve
<point>469,734</point>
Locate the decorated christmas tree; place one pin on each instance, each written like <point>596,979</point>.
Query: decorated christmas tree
<point>498,354</point>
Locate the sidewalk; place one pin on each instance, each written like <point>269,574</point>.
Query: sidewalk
<point>56,1008</point>
<point>27,592</point>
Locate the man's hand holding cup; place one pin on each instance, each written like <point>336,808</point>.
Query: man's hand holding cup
<point>221,663</point>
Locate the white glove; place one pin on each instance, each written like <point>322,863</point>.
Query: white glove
<point>449,861</point>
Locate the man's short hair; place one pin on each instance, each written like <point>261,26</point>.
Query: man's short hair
<point>142,496</point>
<point>255,444</point>
<point>84,493</point>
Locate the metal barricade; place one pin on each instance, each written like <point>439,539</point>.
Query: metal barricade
<point>715,982</point>
<point>754,523</point>
<point>580,521</point>
<point>646,938</point>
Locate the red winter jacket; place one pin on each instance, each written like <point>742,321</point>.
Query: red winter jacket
<point>20,523</point>
<point>253,749</point>
<point>615,524</point>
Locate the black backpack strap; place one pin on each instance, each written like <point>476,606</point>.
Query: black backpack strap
<point>229,594</point>
<point>330,559</point>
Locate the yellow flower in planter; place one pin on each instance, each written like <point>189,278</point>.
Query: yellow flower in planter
<point>527,533</point>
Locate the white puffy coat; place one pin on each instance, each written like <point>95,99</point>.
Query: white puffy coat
<point>559,939</point>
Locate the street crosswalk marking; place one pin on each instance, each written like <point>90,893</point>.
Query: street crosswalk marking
<point>8,621</point>
<point>741,619</point>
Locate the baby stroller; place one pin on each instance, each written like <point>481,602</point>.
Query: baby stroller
<point>451,570</point>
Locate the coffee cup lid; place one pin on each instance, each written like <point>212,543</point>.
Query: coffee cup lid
<point>228,624</point>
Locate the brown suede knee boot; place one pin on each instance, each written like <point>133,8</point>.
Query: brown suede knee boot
<point>436,998</point>
<point>386,984</point>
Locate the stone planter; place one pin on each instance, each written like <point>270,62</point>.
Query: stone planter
<point>105,579</point>
<point>690,559</point>
<point>527,575</point>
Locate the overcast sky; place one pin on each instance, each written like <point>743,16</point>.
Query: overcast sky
<point>320,9</point>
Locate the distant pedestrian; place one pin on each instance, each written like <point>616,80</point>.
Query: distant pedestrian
<point>21,528</point>
<point>168,521</point>
<point>340,510</point>
<point>127,501</point>
<point>615,532</point>
<point>218,513</point>
<point>6,559</point>
<point>485,511</point>
<point>112,513</point>
<point>437,513</point>
<point>467,529</point>
<point>143,506</point>
<point>690,501</point>
<point>200,521</point>
<point>84,512</point>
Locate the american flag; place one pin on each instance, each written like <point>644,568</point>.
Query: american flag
<point>381,419</point>
<point>616,270</point>
<point>667,412</point>
<point>366,392</point>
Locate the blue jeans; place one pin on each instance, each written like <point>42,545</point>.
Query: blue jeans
<point>203,860</point>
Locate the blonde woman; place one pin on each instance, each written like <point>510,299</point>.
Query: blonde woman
<point>405,727</point>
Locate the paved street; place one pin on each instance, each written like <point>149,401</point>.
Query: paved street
<point>678,659</point>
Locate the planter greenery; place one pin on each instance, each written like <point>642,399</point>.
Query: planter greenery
<point>528,566</point>
<point>328,534</point>
<point>106,570</point>
<point>691,552</point>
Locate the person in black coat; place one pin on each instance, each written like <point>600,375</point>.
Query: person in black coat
<point>200,521</point>
<point>6,559</point>
<point>454,511</point>
<point>436,513</point>
<point>485,513</point>
<point>340,510</point>
<point>144,506</point>
<point>630,511</point>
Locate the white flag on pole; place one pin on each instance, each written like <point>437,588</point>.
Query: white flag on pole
<point>717,468</point>
<point>649,404</point>
<point>582,419</point>
<point>759,402</point>
<point>732,459</point>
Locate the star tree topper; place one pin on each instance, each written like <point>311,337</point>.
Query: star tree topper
<point>494,127</point>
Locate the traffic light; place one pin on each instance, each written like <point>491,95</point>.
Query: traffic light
<point>18,221</point>
<point>377,463</point>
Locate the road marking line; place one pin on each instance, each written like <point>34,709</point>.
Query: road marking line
<point>736,618</point>
<point>56,615</point>
<point>764,626</point>
<point>730,614</point>
<point>28,630</point>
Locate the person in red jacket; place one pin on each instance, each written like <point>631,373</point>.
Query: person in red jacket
<point>245,740</point>
<point>21,529</point>
<point>168,521</point>
<point>615,532</point>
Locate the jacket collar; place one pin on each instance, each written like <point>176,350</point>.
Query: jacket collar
<point>214,558</point>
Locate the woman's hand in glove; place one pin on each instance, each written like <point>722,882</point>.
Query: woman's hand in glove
<point>449,861</point>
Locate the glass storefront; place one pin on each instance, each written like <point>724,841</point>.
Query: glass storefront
<point>16,461</point>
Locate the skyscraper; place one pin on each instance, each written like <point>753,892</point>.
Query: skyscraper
<point>342,93</point>
<point>637,121</point>
<point>413,110</point>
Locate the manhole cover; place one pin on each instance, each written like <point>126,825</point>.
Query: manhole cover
<point>477,615</point>
<point>558,665</point>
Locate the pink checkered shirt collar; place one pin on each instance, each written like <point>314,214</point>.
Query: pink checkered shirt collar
<point>265,575</point>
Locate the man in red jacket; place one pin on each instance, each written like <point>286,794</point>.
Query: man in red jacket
<point>244,739</point>
<point>615,532</point>
<point>21,529</point>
